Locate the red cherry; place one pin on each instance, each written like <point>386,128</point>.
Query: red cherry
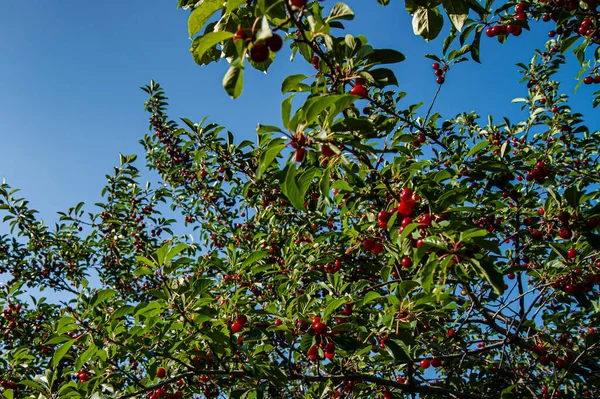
<point>241,34</point>
<point>299,3</point>
<point>387,395</point>
<point>242,319</point>
<point>440,80</point>
<point>572,253</point>
<point>405,209</point>
<point>274,42</point>
<point>378,248</point>
<point>330,347</point>
<point>368,244</point>
<point>425,363</point>
<point>565,233</point>
<point>450,332</point>
<point>537,235</point>
<point>359,90</point>
<point>435,362</point>
<point>299,155</point>
<point>315,61</point>
<point>313,352</point>
<point>277,323</point>
<point>406,194</point>
<point>259,52</point>
<point>236,327</point>
<point>161,372</point>
<point>319,328</point>
<point>435,66</point>
<point>588,80</point>
<point>383,216</point>
<point>326,151</point>
<point>407,262</point>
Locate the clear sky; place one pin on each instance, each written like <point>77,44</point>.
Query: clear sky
<point>70,73</point>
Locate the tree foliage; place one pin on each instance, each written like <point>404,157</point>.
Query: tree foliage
<point>363,248</point>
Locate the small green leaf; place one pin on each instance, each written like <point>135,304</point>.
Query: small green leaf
<point>292,84</point>
<point>340,11</point>
<point>385,56</point>
<point>269,154</point>
<point>102,296</point>
<point>371,296</point>
<point>202,44</point>
<point>332,306</point>
<point>458,12</point>
<point>201,15</point>
<point>62,351</point>
<point>427,23</point>
<point>233,81</point>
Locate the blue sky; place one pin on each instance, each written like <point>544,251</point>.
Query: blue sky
<point>71,71</point>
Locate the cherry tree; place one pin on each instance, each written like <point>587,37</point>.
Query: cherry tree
<point>363,248</point>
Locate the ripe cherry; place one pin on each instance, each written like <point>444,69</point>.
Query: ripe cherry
<point>241,34</point>
<point>383,216</point>
<point>368,244</point>
<point>259,52</point>
<point>161,372</point>
<point>425,363</point>
<point>572,253</point>
<point>359,90</point>
<point>407,262</point>
<point>440,80</point>
<point>274,42</point>
<point>378,248</point>
<point>313,352</point>
<point>236,327</point>
<point>315,61</point>
<point>319,328</point>
<point>326,151</point>
<point>299,3</point>
<point>242,319</point>
<point>435,362</point>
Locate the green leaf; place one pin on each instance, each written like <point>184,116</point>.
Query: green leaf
<point>85,356</point>
<point>332,306</point>
<point>490,273</point>
<point>286,111</point>
<point>396,350</point>
<point>255,257</point>
<point>233,81</point>
<point>292,84</point>
<point>371,296</point>
<point>62,351</point>
<point>458,12</point>
<point>467,235</point>
<point>269,154</point>
<point>572,196</point>
<point>383,77</point>
<point>340,11</point>
<point>427,23</point>
<point>295,186</point>
<point>102,296</point>
<point>385,56</point>
<point>478,147</point>
<point>202,14</point>
<point>174,252</point>
<point>507,393</point>
<point>404,288</point>
<point>202,44</point>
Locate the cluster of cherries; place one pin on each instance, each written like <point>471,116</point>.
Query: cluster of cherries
<point>260,50</point>
<point>509,29</point>
<point>240,322</point>
<point>440,72</point>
